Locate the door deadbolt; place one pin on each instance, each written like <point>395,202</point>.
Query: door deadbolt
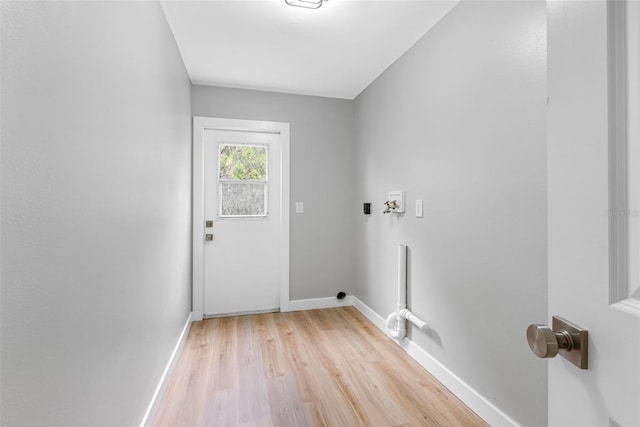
<point>564,338</point>
<point>208,237</point>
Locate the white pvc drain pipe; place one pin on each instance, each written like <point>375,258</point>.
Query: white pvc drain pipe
<point>397,321</point>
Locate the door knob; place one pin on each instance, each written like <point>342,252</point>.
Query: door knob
<point>564,338</point>
<point>546,343</point>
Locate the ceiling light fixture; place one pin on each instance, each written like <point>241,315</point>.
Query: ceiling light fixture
<point>309,4</point>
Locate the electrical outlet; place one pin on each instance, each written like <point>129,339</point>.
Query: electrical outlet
<point>418,208</point>
<point>299,207</point>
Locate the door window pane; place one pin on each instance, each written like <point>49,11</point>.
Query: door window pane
<point>242,199</point>
<point>242,179</point>
<point>243,162</point>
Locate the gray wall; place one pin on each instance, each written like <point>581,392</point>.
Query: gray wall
<point>459,122</point>
<point>95,209</point>
<point>322,171</point>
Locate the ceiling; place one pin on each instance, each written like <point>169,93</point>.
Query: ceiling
<point>335,51</point>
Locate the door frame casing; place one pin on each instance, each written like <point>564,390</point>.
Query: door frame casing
<point>200,125</point>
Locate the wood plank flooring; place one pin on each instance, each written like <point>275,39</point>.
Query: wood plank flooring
<point>329,367</point>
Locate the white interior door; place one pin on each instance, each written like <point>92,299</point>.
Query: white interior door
<point>242,216</point>
<point>582,247</point>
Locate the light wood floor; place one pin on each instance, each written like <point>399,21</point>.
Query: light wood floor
<point>328,367</point>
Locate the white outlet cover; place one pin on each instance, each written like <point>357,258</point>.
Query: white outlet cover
<point>299,207</point>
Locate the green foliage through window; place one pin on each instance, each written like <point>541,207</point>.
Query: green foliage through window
<point>243,163</point>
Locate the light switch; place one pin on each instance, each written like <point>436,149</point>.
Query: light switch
<point>418,208</point>
<point>299,207</point>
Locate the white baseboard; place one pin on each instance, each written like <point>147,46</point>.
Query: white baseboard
<point>152,409</point>
<point>478,404</point>
<point>374,317</point>
<point>314,303</point>
<point>469,396</point>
